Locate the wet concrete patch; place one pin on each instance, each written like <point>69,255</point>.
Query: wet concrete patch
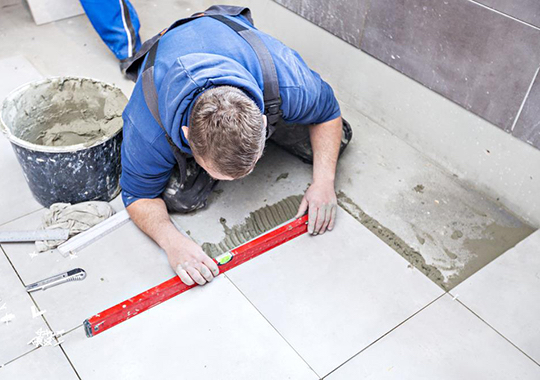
<point>391,239</point>
<point>459,230</point>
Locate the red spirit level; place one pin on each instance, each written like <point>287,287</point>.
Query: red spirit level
<point>170,288</point>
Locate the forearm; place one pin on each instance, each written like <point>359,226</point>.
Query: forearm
<point>151,216</point>
<point>325,142</point>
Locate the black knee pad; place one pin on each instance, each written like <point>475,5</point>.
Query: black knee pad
<point>192,194</point>
<point>346,137</point>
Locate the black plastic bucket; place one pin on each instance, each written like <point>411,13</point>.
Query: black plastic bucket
<point>67,135</point>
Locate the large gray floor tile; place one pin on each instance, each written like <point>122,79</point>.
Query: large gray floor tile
<point>443,341</point>
<point>16,71</point>
<point>46,363</point>
<point>15,196</point>
<point>506,294</point>
<point>211,332</point>
<point>459,49</point>
<point>15,335</point>
<point>332,295</point>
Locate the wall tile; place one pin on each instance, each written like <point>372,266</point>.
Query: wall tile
<point>527,127</point>
<point>525,10</point>
<point>343,18</point>
<point>482,60</point>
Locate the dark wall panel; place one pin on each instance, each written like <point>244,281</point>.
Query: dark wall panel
<point>343,18</point>
<point>482,60</point>
<point>527,127</point>
<point>525,10</point>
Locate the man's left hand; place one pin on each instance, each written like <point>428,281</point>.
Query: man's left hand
<point>321,202</point>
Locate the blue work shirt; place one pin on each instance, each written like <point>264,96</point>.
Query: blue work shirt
<point>198,55</point>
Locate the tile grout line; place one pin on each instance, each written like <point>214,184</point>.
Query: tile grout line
<point>385,334</point>
<point>275,329</point>
<point>494,329</point>
<point>42,317</point>
<point>505,14</point>
<point>18,357</point>
<point>20,217</point>
<point>524,100</point>
<point>363,32</point>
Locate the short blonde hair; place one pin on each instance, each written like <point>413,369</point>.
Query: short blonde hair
<point>227,131</point>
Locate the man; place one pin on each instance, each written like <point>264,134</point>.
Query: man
<point>207,97</point>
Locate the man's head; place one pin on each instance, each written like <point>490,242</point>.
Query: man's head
<point>226,133</point>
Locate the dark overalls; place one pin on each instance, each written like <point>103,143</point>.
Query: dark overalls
<point>190,185</point>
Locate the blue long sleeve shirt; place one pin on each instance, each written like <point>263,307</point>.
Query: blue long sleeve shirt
<point>198,55</point>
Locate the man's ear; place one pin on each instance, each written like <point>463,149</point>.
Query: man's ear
<point>185,131</point>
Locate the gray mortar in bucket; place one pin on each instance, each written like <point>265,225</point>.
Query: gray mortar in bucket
<point>62,114</point>
<point>66,133</point>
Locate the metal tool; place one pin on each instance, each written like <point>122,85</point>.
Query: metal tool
<point>76,274</point>
<point>33,235</point>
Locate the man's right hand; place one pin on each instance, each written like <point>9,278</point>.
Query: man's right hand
<point>186,257</point>
<point>190,262</point>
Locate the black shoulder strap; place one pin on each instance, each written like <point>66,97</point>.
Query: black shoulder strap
<point>272,99</point>
<point>151,99</point>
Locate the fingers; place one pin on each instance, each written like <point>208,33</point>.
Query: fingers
<point>327,218</point>
<point>184,276</point>
<point>211,264</point>
<point>196,275</point>
<point>321,215</point>
<point>302,209</point>
<point>312,219</point>
<point>205,272</point>
<point>332,219</point>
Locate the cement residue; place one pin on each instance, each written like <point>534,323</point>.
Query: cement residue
<point>419,188</point>
<point>282,176</point>
<point>66,111</point>
<point>258,222</point>
<point>391,239</point>
<point>457,234</point>
<point>494,241</point>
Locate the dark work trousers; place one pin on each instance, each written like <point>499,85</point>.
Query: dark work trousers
<point>193,194</point>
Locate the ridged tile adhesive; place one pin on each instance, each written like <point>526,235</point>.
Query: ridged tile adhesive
<point>257,223</point>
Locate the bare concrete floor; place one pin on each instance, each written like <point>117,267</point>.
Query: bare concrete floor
<point>429,215</point>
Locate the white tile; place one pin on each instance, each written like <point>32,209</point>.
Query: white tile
<point>211,332</point>
<point>443,341</point>
<point>332,295</point>
<point>46,363</point>
<point>506,294</point>
<point>120,265</point>
<point>45,11</point>
<point>15,335</point>
<point>15,196</point>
